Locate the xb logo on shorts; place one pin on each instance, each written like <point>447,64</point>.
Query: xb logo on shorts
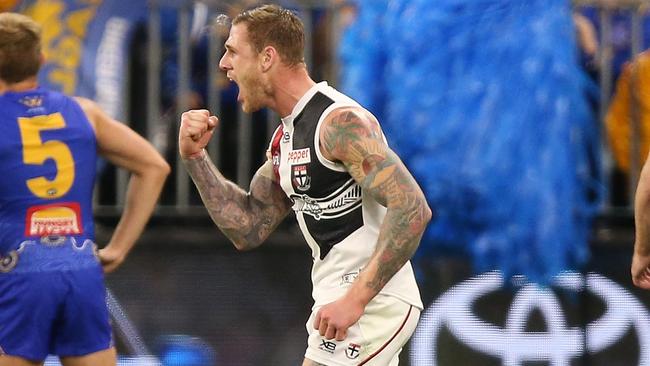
<point>327,346</point>
<point>558,345</point>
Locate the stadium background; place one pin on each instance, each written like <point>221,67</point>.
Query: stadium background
<point>461,88</point>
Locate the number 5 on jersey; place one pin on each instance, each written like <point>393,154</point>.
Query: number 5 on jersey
<point>36,152</point>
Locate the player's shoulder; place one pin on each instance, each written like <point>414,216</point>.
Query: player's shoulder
<point>91,109</point>
<point>55,97</point>
<point>344,127</point>
<point>350,116</point>
<point>54,100</point>
<point>41,97</point>
<point>87,105</point>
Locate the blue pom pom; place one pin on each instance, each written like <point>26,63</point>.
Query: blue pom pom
<point>485,102</point>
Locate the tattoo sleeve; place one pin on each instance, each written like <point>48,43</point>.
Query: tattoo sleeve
<point>246,218</point>
<point>353,137</point>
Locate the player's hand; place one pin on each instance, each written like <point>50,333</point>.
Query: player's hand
<point>641,270</point>
<point>197,127</point>
<point>110,259</point>
<point>334,319</point>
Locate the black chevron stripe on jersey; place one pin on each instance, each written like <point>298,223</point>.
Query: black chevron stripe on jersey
<point>332,203</point>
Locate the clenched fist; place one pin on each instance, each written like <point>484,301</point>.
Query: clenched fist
<point>197,127</point>
<point>641,270</point>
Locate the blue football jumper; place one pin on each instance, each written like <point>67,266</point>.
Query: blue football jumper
<point>52,294</point>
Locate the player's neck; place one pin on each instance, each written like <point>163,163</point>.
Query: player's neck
<point>21,86</point>
<point>290,86</point>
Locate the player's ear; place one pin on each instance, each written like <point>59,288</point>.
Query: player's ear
<point>269,56</point>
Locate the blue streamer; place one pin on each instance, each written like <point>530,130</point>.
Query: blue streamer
<point>486,103</point>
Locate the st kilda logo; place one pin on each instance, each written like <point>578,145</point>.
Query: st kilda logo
<point>352,351</point>
<point>301,178</point>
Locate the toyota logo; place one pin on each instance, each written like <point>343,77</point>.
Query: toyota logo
<point>558,345</point>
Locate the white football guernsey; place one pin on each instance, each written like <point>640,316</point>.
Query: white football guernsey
<point>339,222</point>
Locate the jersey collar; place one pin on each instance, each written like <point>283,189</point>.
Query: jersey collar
<point>302,102</point>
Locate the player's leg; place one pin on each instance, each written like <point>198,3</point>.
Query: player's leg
<point>395,360</point>
<point>84,334</point>
<point>107,357</point>
<point>17,361</point>
<point>387,326</point>
<point>28,302</point>
<point>308,362</point>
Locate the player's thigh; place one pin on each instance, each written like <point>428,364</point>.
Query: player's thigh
<point>376,339</point>
<point>28,303</point>
<point>85,327</point>
<point>107,357</point>
<point>387,326</point>
<point>17,361</point>
<point>308,362</point>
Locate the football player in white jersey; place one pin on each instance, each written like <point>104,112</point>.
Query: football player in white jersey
<point>358,207</point>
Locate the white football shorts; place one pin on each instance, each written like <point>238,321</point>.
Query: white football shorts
<point>375,340</point>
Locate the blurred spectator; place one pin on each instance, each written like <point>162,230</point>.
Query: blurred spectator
<point>588,51</point>
<point>169,19</point>
<point>587,41</point>
<point>9,5</point>
<point>620,36</point>
<point>630,104</point>
<point>619,43</point>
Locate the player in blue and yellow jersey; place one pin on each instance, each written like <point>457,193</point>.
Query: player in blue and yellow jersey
<point>52,293</point>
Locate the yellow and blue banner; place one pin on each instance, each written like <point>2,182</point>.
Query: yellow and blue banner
<point>86,46</point>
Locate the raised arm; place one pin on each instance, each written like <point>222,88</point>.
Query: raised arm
<point>641,258</point>
<point>352,136</point>
<point>126,149</point>
<point>246,218</point>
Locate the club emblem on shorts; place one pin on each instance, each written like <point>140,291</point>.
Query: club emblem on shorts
<point>353,351</point>
<point>301,180</point>
<point>327,346</point>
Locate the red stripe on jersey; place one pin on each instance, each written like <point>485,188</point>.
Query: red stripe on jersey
<point>275,151</point>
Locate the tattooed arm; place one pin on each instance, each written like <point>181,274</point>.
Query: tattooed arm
<point>246,218</point>
<point>352,136</point>
<point>641,257</point>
